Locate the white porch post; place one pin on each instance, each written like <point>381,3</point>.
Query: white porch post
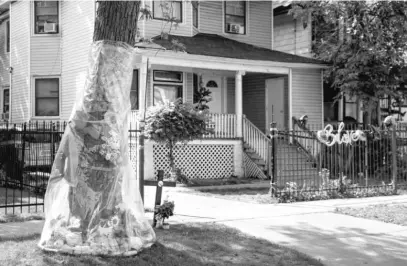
<point>142,86</point>
<point>340,108</point>
<point>239,103</point>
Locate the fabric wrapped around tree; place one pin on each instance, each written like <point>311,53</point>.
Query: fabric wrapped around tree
<point>92,203</point>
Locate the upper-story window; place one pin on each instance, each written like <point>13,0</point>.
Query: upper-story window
<point>195,13</point>
<point>8,36</point>
<point>47,97</point>
<point>235,17</point>
<point>46,17</point>
<point>168,10</point>
<point>167,86</point>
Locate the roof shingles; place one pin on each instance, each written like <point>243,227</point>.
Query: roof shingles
<point>215,45</point>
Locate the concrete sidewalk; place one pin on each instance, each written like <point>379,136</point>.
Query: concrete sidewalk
<point>309,227</point>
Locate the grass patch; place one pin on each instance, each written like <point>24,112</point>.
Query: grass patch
<point>21,217</point>
<point>252,195</point>
<point>395,214</point>
<point>183,245</point>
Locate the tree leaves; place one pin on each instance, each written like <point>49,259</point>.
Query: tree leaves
<point>365,41</point>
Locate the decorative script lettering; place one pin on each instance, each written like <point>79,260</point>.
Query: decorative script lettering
<point>329,138</point>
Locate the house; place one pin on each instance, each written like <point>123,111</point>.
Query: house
<point>253,57</point>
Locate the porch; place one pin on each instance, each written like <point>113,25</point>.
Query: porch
<point>251,87</point>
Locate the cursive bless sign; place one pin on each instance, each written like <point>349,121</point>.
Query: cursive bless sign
<point>329,138</point>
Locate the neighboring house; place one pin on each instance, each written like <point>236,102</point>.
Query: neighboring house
<point>252,56</point>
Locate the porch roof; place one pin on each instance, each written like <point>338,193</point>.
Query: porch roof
<point>218,46</point>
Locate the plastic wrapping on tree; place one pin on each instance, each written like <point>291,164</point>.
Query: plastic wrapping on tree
<point>92,203</point>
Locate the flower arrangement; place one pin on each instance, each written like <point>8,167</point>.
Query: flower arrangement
<point>164,211</point>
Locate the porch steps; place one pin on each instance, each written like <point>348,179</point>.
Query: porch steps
<point>255,166</point>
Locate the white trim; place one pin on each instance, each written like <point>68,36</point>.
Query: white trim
<point>32,22</point>
<point>232,64</point>
<point>32,80</point>
<point>215,65</point>
<point>266,105</point>
<point>290,99</point>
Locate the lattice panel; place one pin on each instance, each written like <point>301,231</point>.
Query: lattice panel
<point>197,161</point>
<point>251,169</point>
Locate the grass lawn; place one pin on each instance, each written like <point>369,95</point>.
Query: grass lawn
<point>396,214</point>
<point>182,245</point>
<point>253,195</point>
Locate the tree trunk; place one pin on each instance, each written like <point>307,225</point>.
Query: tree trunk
<point>117,21</point>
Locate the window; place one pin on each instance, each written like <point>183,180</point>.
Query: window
<point>47,97</point>
<point>8,36</point>
<point>167,86</point>
<point>6,101</point>
<point>195,13</point>
<point>46,17</point>
<point>235,17</point>
<point>134,91</point>
<point>168,10</point>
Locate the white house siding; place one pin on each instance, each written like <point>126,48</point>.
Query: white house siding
<point>20,43</point>
<point>307,95</point>
<point>154,27</point>
<point>45,53</point>
<point>258,22</point>
<point>290,36</point>
<point>4,64</point>
<point>77,31</point>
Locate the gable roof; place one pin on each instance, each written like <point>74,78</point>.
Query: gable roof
<point>218,46</point>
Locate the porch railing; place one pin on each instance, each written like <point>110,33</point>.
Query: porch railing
<point>256,139</point>
<point>305,139</point>
<point>224,126</point>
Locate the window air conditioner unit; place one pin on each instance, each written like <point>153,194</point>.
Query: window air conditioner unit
<point>234,28</point>
<point>50,27</point>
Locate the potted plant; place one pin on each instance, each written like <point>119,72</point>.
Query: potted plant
<point>173,123</point>
<point>162,212</point>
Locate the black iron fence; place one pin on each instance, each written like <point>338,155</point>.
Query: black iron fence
<point>305,160</point>
<point>27,152</point>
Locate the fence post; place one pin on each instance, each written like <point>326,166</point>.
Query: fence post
<point>394,158</point>
<point>273,134</point>
<point>52,144</point>
<point>22,156</point>
<point>141,159</point>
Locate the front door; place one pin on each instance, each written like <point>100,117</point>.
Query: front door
<point>214,84</point>
<point>275,102</point>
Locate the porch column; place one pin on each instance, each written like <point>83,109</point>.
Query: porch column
<point>142,86</point>
<point>239,103</point>
<point>341,104</point>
